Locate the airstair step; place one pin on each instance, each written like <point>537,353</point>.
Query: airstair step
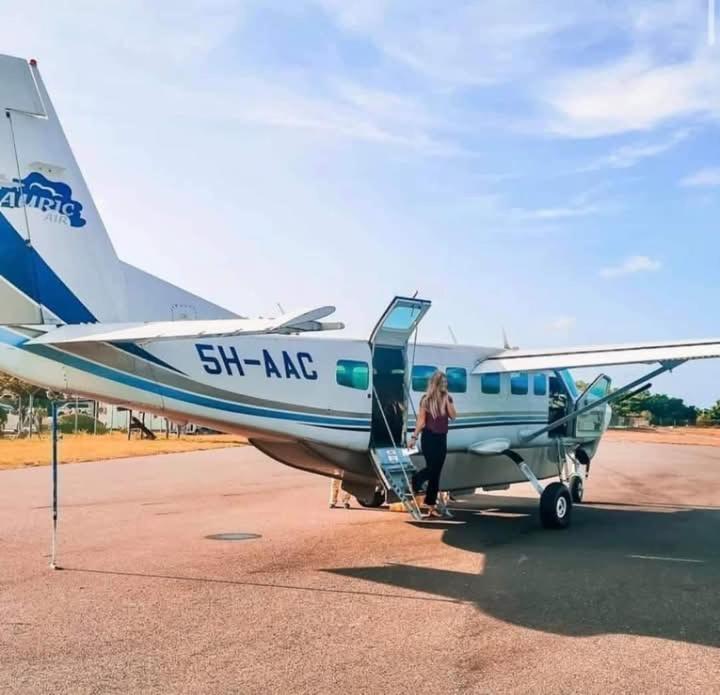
<point>394,467</point>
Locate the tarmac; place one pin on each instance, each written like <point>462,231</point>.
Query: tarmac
<point>315,600</point>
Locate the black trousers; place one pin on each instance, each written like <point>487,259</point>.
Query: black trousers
<point>434,449</point>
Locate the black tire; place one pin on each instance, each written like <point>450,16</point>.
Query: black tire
<point>377,499</point>
<point>555,506</point>
<point>577,489</point>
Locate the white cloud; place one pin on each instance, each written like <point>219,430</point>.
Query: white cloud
<point>704,177</point>
<point>652,62</point>
<point>466,43</point>
<point>563,323</point>
<point>583,204</point>
<point>633,94</point>
<point>629,155</point>
<point>558,213</point>
<point>633,264</point>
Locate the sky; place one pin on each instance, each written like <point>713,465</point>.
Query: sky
<point>547,167</point>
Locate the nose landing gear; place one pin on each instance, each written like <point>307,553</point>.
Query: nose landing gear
<point>555,500</point>
<point>577,488</point>
<point>555,506</point>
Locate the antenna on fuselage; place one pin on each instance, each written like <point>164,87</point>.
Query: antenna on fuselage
<point>506,342</point>
<point>452,335</point>
<point>280,306</point>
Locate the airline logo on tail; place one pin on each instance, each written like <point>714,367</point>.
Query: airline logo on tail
<point>51,197</point>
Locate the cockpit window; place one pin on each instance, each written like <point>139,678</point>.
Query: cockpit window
<point>490,383</point>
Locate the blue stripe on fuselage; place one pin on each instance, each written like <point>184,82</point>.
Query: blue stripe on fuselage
<point>188,397</point>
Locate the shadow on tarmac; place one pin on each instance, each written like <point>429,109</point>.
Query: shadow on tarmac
<point>619,569</point>
<point>261,585</point>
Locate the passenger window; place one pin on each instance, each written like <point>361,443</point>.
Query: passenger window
<point>519,384</point>
<point>421,374</point>
<point>354,374</point>
<point>540,385</point>
<point>457,379</point>
<point>490,383</point>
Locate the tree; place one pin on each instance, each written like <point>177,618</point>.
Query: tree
<point>710,416</point>
<point>633,406</point>
<point>17,393</point>
<point>659,407</point>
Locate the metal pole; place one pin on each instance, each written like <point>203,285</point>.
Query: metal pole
<point>77,405</point>
<point>53,551</point>
<point>96,412</point>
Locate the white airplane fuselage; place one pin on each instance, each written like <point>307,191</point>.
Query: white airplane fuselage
<point>284,393</point>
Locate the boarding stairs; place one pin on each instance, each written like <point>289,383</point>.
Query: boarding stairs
<point>395,469</point>
<point>137,425</point>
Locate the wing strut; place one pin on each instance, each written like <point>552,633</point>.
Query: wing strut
<point>614,396</point>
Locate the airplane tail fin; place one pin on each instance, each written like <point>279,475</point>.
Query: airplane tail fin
<point>57,263</point>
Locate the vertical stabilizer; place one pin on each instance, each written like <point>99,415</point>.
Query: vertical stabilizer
<point>56,260</point>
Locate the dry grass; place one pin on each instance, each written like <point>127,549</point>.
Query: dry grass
<point>697,436</point>
<point>73,448</point>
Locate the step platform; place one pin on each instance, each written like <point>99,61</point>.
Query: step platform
<point>395,469</point>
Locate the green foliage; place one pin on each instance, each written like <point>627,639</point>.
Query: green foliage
<point>635,405</point>
<point>710,416</point>
<point>85,423</point>
<point>662,409</point>
<point>11,384</point>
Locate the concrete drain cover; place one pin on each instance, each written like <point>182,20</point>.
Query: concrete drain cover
<point>233,536</point>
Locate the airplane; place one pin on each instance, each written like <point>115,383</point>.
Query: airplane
<point>76,319</point>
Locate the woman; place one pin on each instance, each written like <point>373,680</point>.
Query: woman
<point>436,409</point>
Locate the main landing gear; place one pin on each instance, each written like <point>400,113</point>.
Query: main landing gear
<point>556,500</point>
<point>377,499</point>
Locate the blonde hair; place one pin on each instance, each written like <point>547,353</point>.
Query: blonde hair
<point>434,399</point>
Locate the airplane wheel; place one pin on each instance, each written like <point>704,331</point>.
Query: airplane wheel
<point>555,506</point>
<point>377,499</point>
<point>577,489</point>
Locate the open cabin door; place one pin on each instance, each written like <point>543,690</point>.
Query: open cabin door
<point>388,344</point>
<point>591,424</point>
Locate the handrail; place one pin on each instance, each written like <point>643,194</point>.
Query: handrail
<point>392,439</point>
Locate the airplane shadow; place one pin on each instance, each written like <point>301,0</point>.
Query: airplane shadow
<point>622,569</point>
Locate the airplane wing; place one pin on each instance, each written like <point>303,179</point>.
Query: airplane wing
<point>298,322</point>
<point>598,356</point>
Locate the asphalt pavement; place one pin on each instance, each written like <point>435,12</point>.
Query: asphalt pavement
<point>304,599</point>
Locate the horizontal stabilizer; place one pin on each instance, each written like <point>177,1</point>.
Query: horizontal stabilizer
<point>175,330</point>
<point>598,356</point>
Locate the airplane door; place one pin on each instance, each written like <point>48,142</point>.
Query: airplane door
<point>591,424</point>
<point>388,344</point>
